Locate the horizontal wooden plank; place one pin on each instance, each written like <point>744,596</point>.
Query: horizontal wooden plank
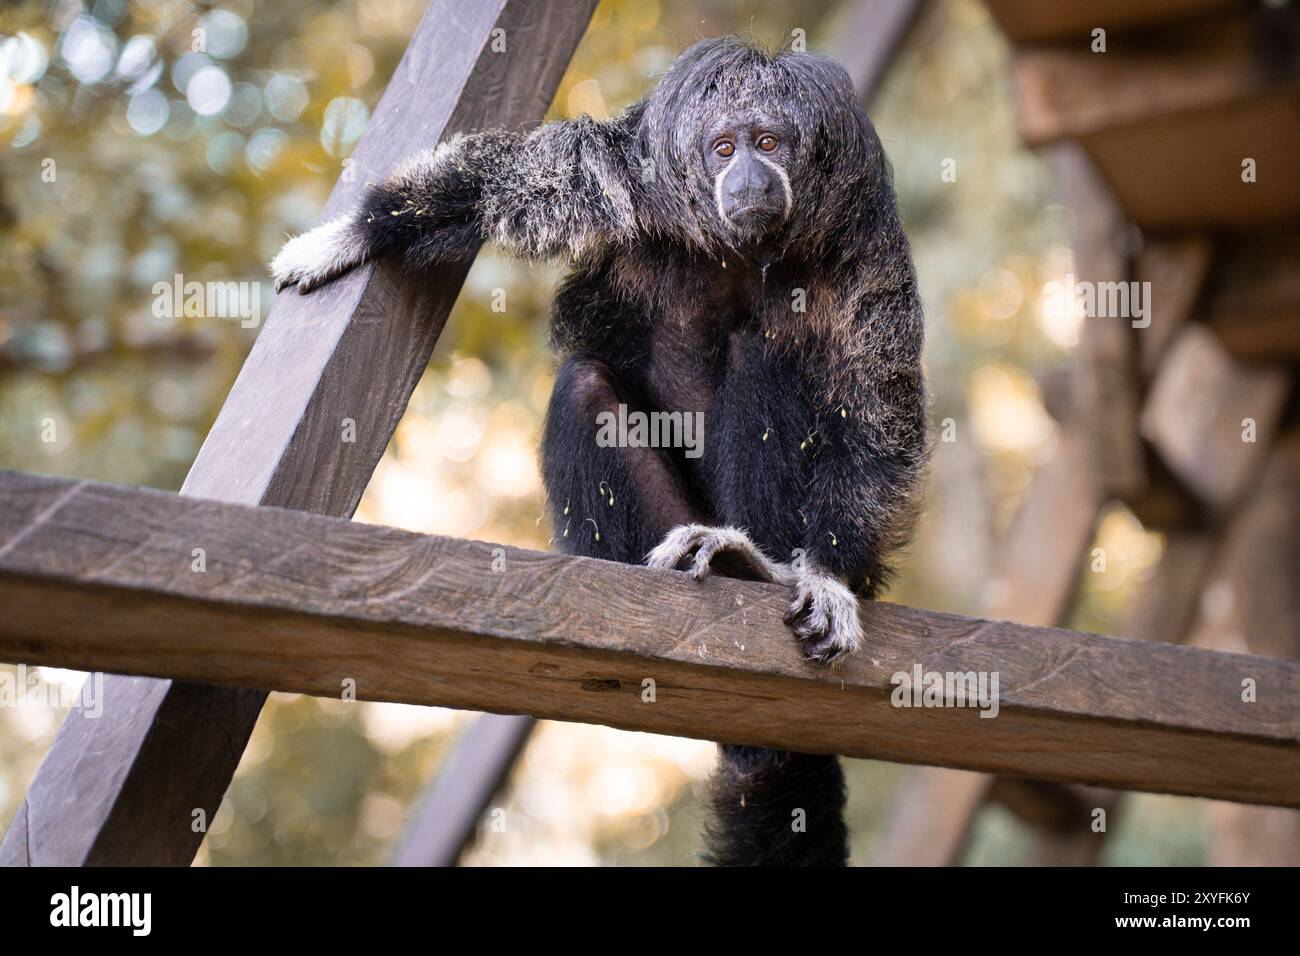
<point>1184,173</point>
<point>1071,91</point>
<point>1076,19</point>
<point>100,577</point>
<point>1170,117</point>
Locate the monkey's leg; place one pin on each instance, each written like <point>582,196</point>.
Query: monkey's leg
<point>619,502</point>
<point>770,807</point>
<point>606,501</point>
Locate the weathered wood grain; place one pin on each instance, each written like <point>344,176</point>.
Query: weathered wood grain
<point>100,577</point>
<point>122,788</point>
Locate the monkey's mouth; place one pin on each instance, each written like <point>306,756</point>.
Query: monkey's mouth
<point>754,220</point>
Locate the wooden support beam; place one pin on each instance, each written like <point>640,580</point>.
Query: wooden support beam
<point>1063,814</point>
<point>1251,603</point>
<point>1062,810</point>
<point>1062,817</point>
<point>1071,92</point>
<point>1170,117</point>
<point>1076,19</point>
<point>350,352</point>
<point>930,817</point>
<point>477,769</point>
<point>1253,300</point>
<point>1198,415</point>
<point>1166,603</point>
<point>1034,581</point>
<point>1107,380</point>
<point>1038,563</point>
<point>100,577</point>
<point>1175,267</point>
<point>875,36</point>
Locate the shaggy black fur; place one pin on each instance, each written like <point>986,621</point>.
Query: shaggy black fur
<point>800,343</point>
<point>756,796</point>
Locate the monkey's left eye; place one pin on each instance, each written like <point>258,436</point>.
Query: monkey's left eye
<point>767,142</point>
<point>724,148</point>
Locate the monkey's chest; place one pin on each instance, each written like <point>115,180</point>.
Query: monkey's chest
<point>684,374</point>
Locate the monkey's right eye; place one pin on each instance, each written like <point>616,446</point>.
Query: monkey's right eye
<point>724,148</point>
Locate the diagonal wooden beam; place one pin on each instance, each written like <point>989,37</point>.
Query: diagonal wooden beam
<point>100,577</point>
<point>1196,416</point>
<point>1106,388</point>
<point>123,788</point>
<point>931,817</point>
<point>477,769</point>
<point>873,39</point>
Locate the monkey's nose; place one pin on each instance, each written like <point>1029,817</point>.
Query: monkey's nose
<point>752,188</point>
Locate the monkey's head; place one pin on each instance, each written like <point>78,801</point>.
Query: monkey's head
<point>758,152</point>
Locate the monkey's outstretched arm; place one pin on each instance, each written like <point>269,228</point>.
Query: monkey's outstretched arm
<point>559,190</point>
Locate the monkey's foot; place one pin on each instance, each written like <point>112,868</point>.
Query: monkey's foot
<point>824,615</point>
<point>699,549</point>
<point>314,258</point>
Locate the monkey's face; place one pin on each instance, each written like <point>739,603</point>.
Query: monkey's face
<point>764,153</point>
<point>747,160</point>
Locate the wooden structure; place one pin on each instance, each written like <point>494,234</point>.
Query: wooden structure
<point>295,597</point>
<point>1180,419</point>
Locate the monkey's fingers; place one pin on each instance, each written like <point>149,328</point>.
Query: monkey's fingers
<point>813,624</point>
<point>828,652</point>
<point>677,546</point>
<point>799,608</point>
<point>311,283</point>
<point>704,557</point>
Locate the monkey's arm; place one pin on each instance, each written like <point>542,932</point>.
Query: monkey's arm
<point>559,190</point>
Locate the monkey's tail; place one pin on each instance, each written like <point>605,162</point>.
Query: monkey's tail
<point>776,808</point>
